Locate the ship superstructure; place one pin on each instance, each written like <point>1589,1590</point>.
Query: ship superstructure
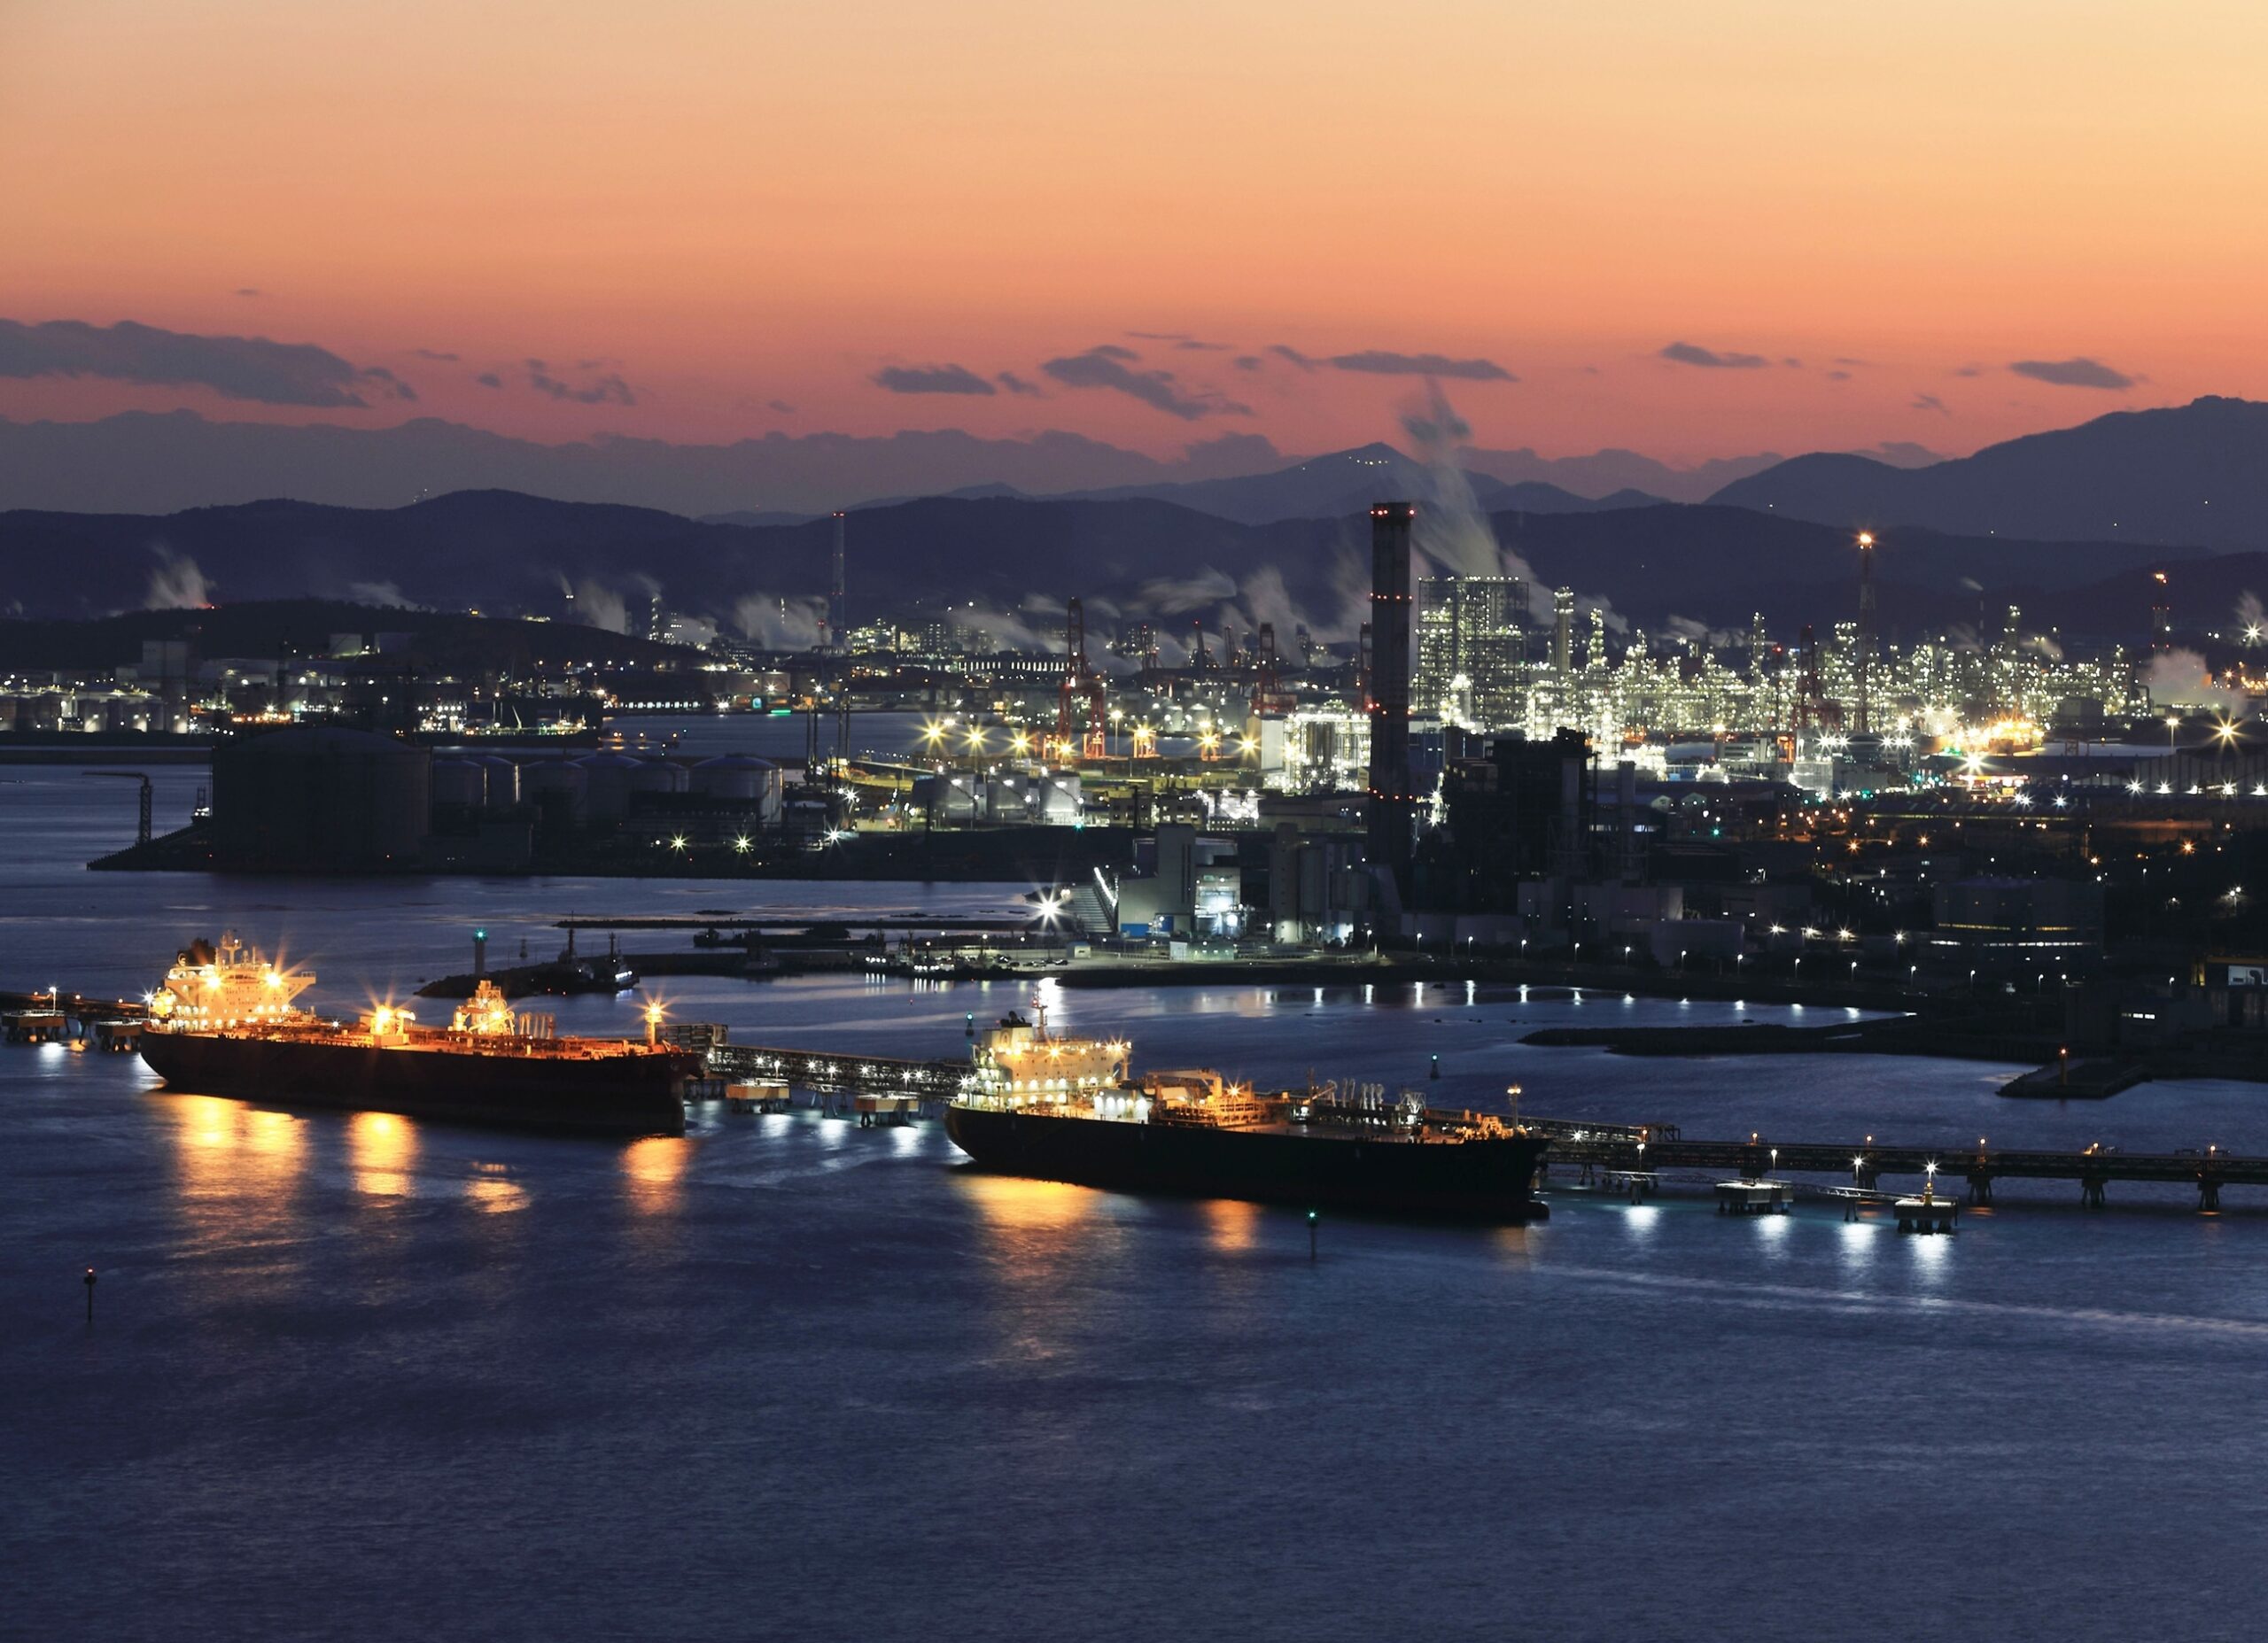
<point>230,986</point>
<point>1020,1064</point>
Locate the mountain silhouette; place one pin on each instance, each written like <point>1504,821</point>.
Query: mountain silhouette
<point>1008,564</point>
<point>2189,475</point>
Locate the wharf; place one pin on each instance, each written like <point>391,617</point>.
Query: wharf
<point>694,924</point>
<point>2063,1079</point>
<point>835,1073</point>
<point>1621,1147</point>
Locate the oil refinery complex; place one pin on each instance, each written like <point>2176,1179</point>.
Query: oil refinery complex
<point>1485,765</point>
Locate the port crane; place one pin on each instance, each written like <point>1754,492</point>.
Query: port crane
<point>1082,687</point>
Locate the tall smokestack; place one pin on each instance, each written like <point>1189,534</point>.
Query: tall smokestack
<point>1867,641</point>
<point>838,623</point>
<point>1391,807</point>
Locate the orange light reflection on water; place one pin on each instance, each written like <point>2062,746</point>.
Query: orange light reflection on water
<point>238,1167</point>
<point>1035,1231</point>
<point>1231,1224</point>
<point>492,1193</point>
<point>653,1174</point>
<point>383,1147</point>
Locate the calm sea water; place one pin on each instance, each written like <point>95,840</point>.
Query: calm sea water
<point>355,1376</point>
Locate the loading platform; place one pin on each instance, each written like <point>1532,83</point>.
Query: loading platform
<point>1594,1147</point>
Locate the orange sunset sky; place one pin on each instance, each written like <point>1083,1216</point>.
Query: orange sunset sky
<point>714,220</point>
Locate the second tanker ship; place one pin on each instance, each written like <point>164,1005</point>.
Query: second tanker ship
<point>1063,1109</point>
<point>225,1024</point>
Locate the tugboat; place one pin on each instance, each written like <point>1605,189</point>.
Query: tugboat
<point>1065,1109</point>
<point>225,1023</point>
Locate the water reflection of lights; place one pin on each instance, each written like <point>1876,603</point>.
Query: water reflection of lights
<point>1009,1203</point>
<point>1774,1227</point>
<point>653,1170</point>
<point>237,1165</point>
<point>383,1147</point>
<point>1931,1254</point>
<point>1231,1224</point>
<point>495,1195</point>
<point>1643,1219</point>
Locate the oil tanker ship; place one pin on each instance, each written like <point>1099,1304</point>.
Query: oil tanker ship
<point>1065,1109</point>
<point>225,1023</point>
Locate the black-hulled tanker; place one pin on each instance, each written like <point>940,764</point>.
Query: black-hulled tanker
<point>224,1024</point>
<point>1063,1109</point>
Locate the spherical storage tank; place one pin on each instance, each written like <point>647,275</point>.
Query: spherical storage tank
<point>320,797</point>
<point>459,782</point>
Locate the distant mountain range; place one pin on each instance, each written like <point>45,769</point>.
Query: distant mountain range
<point>2189,475</point>
<point>1345,484</point>
<point>1007,564</point>
<point>161,464</point>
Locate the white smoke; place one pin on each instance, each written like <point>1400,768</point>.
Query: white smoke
<point>1688,629</point>
<point>2249,613</point>
<point>176,583</point>
<point>1615,621</point>
<point>1005,629</point>
<point>1452,529</point>
<point>2048,650</point>
<point>773,622</point>
<point>375,593</point>
<point>1176,595</point>
<point>603,607</point>
<point>2179,678</point>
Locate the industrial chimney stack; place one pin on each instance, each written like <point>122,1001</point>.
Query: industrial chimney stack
<point>838,622</point>
<point>1391,806</point>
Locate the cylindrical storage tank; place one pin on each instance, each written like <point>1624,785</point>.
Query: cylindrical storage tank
<point>321,797</point>
<point>733,776</point>
<point>1057,800</point>
<point>657,776</point>
<point>606,785</point>
<point>459,783</point>
<point>1004,800</point>
<point>558,788</point>
<point>502,778</point>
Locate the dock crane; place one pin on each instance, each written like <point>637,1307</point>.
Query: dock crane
<point>1082,687</point>
<point>142,831</point>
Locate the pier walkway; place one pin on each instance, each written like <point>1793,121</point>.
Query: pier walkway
<point>834,1073</point>
<point>1621,1149</point>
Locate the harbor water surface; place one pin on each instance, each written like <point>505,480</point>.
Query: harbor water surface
<point>355,1376</point>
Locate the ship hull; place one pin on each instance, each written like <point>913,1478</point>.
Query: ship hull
<point>1488,1180</point>
<point>608,1096</point>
